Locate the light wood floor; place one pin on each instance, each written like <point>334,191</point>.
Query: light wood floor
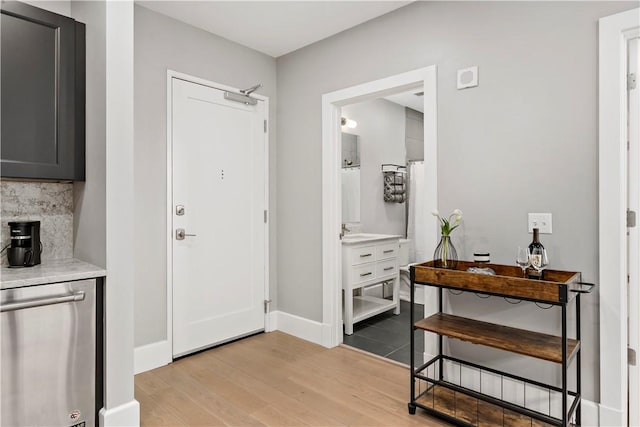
<point>275,379</point>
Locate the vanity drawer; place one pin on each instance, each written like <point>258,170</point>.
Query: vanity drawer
<point>388,250</point>
<point>386,268</point>
<point>363,273</point>
<point>362,255</point>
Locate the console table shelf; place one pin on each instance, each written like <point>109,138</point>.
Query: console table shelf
<point>534,344</point>
<point>435,390</point>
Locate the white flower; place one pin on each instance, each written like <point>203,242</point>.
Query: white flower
<point>435,212</point>
<point>457,213</point>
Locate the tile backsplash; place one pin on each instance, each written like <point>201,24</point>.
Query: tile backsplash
<point>51,203</point>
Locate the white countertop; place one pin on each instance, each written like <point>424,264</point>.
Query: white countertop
<point>352,239</point>
<point>50,271</point>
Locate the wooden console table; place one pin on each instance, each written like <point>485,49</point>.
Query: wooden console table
<point>438,393</point>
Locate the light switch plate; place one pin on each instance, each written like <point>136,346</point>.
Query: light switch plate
<point>541,221</point>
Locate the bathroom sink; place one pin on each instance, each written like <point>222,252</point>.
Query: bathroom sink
<point>366,237</point>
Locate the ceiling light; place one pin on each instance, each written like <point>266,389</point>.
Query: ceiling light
<point>351,124</point>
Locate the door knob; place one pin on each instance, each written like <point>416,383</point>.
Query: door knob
<point>181,234</point>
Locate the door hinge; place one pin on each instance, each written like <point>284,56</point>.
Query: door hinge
<point>267,302</point>
<point>265,216</point>
<point>631,356</point>
<point>631,218</point>
<point>631,81</point>
<point>265,126</point>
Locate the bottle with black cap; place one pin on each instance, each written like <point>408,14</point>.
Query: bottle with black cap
<point>536,250</point>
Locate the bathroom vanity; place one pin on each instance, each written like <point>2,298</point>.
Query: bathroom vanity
<point>368,260</point>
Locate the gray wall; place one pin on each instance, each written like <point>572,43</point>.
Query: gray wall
<point>163,43</point>
<point>381,127</point>
<point>90,209</point>
<point>61,7</point>
<point>532,120</point>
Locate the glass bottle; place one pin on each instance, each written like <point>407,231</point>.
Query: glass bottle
<point>536,249</point>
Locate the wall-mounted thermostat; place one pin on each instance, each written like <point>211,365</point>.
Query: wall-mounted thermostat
<point>468,77</point>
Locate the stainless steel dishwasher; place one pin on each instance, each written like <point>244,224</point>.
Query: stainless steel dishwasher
<point>48,355</point>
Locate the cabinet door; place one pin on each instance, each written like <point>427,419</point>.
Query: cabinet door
<point>41,85</point>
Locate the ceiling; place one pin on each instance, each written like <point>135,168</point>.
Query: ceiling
<point>408,99</point>
<point>273,27</point>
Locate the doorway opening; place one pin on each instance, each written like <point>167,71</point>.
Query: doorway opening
<point>382,195</point>
<point>337,107</point>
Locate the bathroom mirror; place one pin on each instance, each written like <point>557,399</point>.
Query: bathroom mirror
<point>350,178</point>
<point>350,150</point>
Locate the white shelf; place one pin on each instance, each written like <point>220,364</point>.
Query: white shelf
<point>368,306</point>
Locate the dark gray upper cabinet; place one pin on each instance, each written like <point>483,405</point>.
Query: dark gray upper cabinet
<point>42,73</point>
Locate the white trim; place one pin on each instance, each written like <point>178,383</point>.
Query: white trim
<point>590,413</point>
<point>299,327</point>
<point>612,154</point>
<point>272,322</point>
<point>610,416</point>
<point>171,74</point>
<point>125,415</point>
<point>151,356</point>
<point>633,203</point>
<point>169,224</point>
<point>331,191</point>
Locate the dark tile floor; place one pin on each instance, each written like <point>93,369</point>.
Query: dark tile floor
<point>387,334</point>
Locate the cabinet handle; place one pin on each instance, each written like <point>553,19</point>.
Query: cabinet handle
<point>388,251</point>
<point>365,274</point>
<point>388,268</point>
<point>365,255</point>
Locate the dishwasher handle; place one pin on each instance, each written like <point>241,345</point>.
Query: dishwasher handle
<point>21,305</point>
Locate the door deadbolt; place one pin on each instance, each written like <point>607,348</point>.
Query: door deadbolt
<point>181,234</point>
<point>179,210</point>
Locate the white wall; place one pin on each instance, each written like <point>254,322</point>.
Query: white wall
<point>381,128</point>
<point>120,407</point>
<point>99,220</point>
<point>163,43</point>
<point>531,120</point>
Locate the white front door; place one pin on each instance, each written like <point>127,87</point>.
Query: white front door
<point>633,200</point>
<point>218,162</point>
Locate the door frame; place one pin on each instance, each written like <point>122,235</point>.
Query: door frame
<point>332,104</point>
<point>171,74</point>
<point>614,32</point>
<point>633,195</point>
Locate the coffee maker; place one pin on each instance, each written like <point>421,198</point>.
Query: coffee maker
<point>25,246</point>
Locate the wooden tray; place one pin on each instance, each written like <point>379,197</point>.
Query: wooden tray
<point>556,288</point>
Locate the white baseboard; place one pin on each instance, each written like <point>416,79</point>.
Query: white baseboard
<point>590,413</point>
<point>151,356</point>
<point>299,327</point>
<point>125,415</point>
<point>610,417</point>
